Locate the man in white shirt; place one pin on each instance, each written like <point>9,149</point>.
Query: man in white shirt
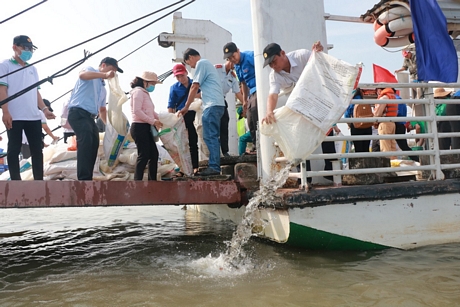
<point>21,114</point>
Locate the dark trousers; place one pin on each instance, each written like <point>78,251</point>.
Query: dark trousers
<point>147,151</point>
<point>444,143</point>
<point>361,146</point>
<point>82,123</point>
<point>452,110</point>
<point>224,130</point>
<point>327,147</point>
<point>67,135</point>
<point>33,131</point>
<point>189,118</point>
<point>253,117</point>
<point>401,129</point>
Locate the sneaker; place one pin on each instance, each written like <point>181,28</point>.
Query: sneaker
<point>208,172</point>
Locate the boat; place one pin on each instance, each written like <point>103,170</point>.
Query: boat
<point>365,208</point>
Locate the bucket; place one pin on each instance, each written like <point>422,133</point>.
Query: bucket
<point>417,148</point>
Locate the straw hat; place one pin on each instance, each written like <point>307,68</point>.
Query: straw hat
<point>441,92</point>
<point>149,76</point>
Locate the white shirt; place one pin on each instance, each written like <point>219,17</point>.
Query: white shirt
<point>282,80</point>
<point>229,80</point>
<point>24,107</point>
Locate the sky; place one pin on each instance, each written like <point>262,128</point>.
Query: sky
<point>59,24</point>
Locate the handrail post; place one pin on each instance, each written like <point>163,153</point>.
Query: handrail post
<point>433,128</point>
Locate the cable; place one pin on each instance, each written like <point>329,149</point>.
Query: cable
<point>84,42</point>
<point>23,11</point>
<point>138,48</point>
<point>87,55</point>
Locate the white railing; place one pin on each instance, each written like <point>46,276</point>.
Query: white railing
<point>431,136</point>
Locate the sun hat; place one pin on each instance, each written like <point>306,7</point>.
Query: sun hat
<point>149,76</point>
<point>441,92</point>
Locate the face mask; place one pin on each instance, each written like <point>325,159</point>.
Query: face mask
<point>25,55</point>
<point>150,88</point>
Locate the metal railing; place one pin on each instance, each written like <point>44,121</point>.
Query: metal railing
<point>431,136</point>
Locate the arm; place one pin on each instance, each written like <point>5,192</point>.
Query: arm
<point>49,132</point>
<point>239,96</point>
<point>271,105</point>
<point>245,91</point>
<point>6,118</point>
<point>103,114</point>
<point>191,96</point>
<point>90,75</point>
<point>41,105</point>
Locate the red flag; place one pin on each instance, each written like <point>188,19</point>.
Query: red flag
<point>383,75</point>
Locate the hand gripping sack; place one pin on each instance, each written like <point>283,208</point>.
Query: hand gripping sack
<point>362,111</point>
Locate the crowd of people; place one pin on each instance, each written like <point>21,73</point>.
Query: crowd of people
<point>27,114</point>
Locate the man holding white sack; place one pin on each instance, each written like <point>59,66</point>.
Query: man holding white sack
<point>286,71</point>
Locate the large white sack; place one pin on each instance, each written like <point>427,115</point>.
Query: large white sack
<point>324,90</point>
<point>296,136</point>
<point>318,100</point>
<point>117,125</point>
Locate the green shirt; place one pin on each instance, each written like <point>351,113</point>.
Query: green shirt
<point>421,124</point>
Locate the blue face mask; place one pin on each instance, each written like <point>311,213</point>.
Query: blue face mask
<point>151,88</point>
<point>25,55</point>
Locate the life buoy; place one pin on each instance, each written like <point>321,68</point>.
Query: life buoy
<point>392,14</point>
<point>392,42</point>
<point>394,29</point>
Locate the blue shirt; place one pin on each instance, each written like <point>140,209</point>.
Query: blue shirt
<point>351,107</point>
<point>178,95</point>
<point>88,95</point>
<point>211,88</point>
<point>246,71</point>
<point>402,110</point>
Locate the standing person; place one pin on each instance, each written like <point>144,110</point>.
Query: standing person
<point>143,118</point>
<point>441,110</point>
<point>360,146</point>
<point>245,70</point>
<point>229,82</point>
<point>410,63</point>
<point>386,110</point>
<point>21,114</point>
<point>286,71</point>
<point>86,102</point>
<point>178,94</point>
<point>400,128</point>
<point>207,78</point>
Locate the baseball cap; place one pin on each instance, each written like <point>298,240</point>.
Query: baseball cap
<point>179,69</point>
<point>113,62</point>
<point>229,49</point>
<point>270,51</point>
<point>23,40</point>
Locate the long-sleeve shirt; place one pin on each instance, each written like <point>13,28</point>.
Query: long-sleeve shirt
<point>142,107</point>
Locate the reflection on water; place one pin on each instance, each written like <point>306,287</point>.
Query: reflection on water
<point>165,256</point>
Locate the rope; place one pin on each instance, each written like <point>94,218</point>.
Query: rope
<point>22,12</point>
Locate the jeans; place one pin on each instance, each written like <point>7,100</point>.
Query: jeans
<point>33,132</point>
<point>211,133</point>
<point>82,123</point>
<point>147,151</point>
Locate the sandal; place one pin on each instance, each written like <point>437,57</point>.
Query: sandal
<point>178,175</point>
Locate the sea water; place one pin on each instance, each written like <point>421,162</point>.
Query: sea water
<point>166,256</point>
